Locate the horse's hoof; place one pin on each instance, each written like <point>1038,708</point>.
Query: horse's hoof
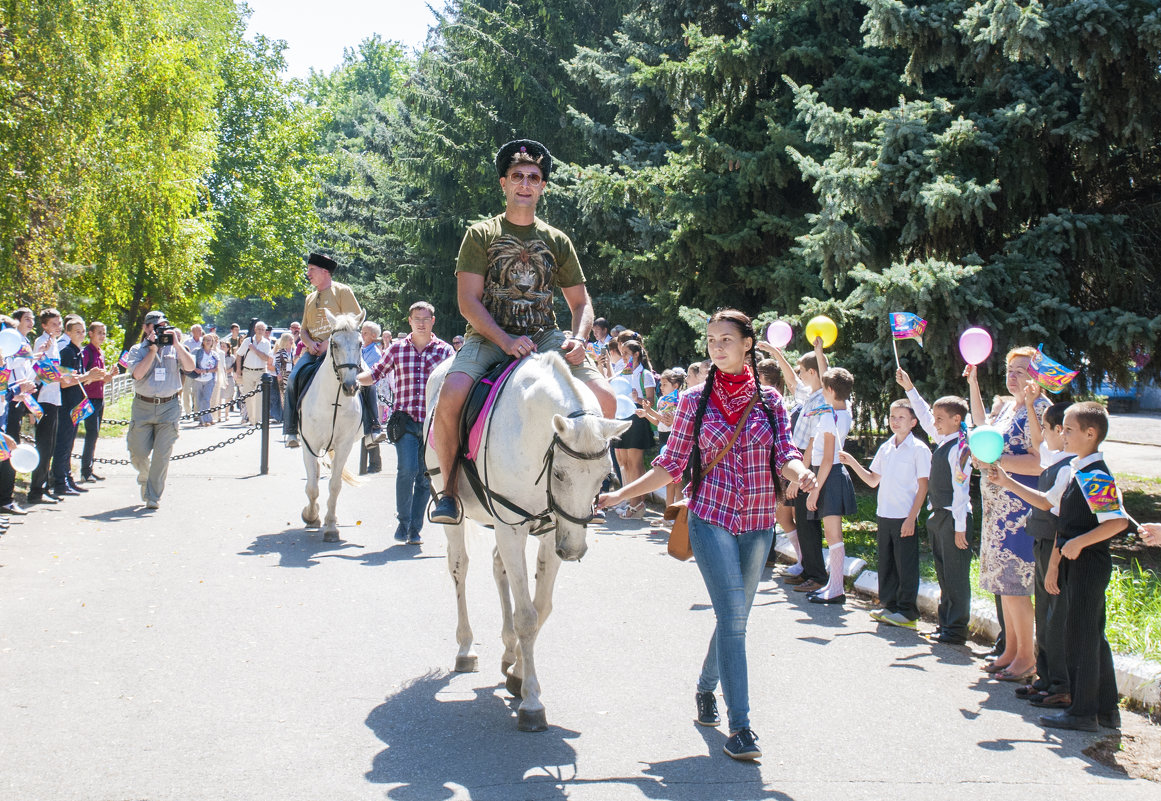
<point>331,536</point>
<point>514,684</point>
<point>311,522</point>
<point>505,667</point>
<point>531,720</point>
<point>467,664</point>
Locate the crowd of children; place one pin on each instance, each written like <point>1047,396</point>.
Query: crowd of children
<point>1073,664</point>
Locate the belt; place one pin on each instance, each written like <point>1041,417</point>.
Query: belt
<point>253,368</point>
<point>157,401</point>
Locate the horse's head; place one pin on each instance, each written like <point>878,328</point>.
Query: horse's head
<point>346,348</point>
<point>578,468</point>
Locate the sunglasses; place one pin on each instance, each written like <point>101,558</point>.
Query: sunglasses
<point>533,178</point>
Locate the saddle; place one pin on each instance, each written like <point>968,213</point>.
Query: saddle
<point>303,380</point>
<point>481,399</point>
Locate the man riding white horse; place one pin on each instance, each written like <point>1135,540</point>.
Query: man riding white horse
<point>328,296</point>
<point>507,269</point>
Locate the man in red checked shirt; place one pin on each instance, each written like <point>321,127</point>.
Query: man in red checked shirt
<point>412,359</point>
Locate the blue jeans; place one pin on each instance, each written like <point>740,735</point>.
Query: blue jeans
<point>412,487</point>
<point>203,399</point>
<point>730,567</point>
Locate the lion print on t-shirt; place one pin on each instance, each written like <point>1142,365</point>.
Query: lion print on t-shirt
<point>518,288</point>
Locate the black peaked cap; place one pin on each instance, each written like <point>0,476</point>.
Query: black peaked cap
<point>531,147</point>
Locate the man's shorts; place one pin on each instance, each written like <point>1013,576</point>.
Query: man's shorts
<point>479,355</point>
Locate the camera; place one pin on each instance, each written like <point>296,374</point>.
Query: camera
<point>164,333</point>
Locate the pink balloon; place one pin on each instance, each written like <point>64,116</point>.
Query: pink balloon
<point>779,334</point>
<point>975,345</point>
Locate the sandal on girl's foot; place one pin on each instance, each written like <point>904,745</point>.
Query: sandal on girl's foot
<point>994,667</point>
<point>634,512</point>
<point>1008,675</point>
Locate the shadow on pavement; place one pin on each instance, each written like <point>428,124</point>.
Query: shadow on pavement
<point>439,740</point>
<point>295,547</point>
<point>131,512</point>
<point>392,553</point>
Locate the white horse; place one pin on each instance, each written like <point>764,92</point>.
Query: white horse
<point>545,453</point>
<point>332,418</point>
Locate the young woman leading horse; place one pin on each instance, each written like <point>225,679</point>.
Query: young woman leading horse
<point>732,508</point>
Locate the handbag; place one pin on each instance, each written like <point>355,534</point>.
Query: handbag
<point>397,425</point>
<point>679,546</point>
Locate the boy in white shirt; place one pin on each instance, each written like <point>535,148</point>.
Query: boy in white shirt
<point>834,496</point>
<point>950,504</point>
<point>900,470</point>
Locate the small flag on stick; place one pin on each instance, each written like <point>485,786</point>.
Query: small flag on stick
<point>33,407</point>
<point>1101,493</point>
<point>5,451</point>
<point>1051,375</point>
<point>124,360</point>
<point>5,374</point>
<point>47,370</point>
<point>905,325</point>
<point>81,411</point>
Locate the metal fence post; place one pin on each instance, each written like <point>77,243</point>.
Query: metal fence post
<point>268,384</point>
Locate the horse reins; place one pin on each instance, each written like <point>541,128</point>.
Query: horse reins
<point>334,415</point>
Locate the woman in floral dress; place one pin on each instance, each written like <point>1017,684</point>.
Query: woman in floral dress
<point>1007,566</point>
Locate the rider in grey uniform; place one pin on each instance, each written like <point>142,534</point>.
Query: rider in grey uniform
<point>154,422</point>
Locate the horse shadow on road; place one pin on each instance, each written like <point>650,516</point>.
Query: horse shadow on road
<point>296,547</point>
<point>442,739</point>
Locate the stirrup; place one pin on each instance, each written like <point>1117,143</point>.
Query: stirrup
<point>459,509</point>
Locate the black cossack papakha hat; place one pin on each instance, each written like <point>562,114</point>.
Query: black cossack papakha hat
<point>533,148</point>
<point>319,260</point>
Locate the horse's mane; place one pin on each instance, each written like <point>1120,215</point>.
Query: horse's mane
<point>560,368</point>
<point>344,322</point>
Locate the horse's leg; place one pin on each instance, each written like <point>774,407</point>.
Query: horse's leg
<point>457,565</point>
<point>547,567</point>
<point>507,629</point>
<point>310,513</point>
<point>338,463</point>
<point>510,542</point>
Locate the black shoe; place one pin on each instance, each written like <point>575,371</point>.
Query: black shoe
<point>92,477</point>
<point>1053,701</point>
<point>1064,720</point>
<point>743,745</point>
<point>948,639</point>
<point>65,491</point>
<point>73,486</point>
<point>447,511</point>
<point>1110,721</point>
<point>13,509</point>
<point>44,498</point>
<point>400,533</point>
<point>818,599</point>
<point>707,709</point>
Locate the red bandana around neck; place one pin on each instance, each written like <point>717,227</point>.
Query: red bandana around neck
<point>731,393</point>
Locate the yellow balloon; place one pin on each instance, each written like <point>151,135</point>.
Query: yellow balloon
<point>821,326</point>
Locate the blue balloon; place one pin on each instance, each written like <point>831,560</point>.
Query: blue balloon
<point>987,444</point>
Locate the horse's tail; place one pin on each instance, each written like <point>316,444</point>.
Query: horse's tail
<point>349,478</point>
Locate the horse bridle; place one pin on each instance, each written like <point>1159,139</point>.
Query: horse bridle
<point>334,415</point>
<point>549,456</point>
<point>544,519</point>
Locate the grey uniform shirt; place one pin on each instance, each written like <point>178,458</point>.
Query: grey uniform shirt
<point>164,378</point>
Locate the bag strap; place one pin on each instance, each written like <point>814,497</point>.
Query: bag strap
<point>734,436</point>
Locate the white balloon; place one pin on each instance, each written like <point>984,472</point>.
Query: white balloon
<point>625,407</point>
<point>621,386</point>
<point>10,342</point>
<point>24,458</point>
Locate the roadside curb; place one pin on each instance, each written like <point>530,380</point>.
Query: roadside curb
<point>1138,679</point>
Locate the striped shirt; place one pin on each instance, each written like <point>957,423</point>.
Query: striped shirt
<point>738,494</point>
<point>412,368</point>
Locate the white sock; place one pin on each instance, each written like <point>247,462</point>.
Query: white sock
<point>792,535</point>
<point>834,586</point>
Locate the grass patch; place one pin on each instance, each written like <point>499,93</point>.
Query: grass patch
<point>120,409</point>
<point>1133,606</point>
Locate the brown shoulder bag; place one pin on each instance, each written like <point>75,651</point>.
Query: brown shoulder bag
<point>679,547</point>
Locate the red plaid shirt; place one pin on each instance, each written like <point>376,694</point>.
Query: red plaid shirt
<point>412,368</point>
<point>738,494</point>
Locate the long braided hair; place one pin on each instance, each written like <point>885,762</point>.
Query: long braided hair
<point>746,328</point>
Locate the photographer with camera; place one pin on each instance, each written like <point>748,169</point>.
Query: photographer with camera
<point>156,364</point>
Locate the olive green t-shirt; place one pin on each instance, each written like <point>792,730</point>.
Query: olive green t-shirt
<point>521,265</point>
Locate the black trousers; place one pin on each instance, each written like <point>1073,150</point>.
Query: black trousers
<point>92,432</point>
<point>898,568</point>
<point>16,412</point>
<point>1051,614</point>
<point>1090,660</point>
<point>953,572</point>
<point>810,541</point>
<point>45,445</point>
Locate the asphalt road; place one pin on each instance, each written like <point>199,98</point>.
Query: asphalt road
<point>214,650</point>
